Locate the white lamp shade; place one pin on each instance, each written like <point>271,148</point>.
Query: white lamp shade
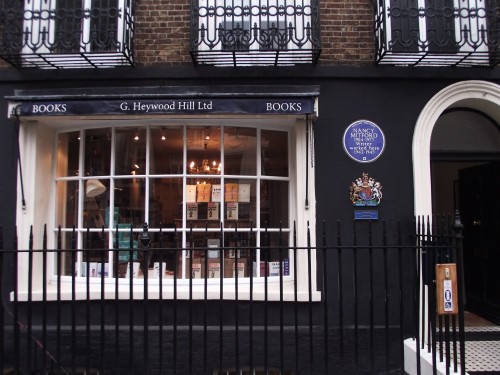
<point>94,188</point>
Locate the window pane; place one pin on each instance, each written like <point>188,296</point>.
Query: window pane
<point>68,150</point>
<point>203,150</point>
<point>68,25</point>
<point>130,201</point>
<point>274,204</point>
<point>166,151</point>
<point>103,25</point>
<point>67,204</point>
<point>130,151</point>
<point>240,151</point>
<point>240,203</point>
<point>97,152</point>
<point>165,202</point>
<point>203,197</point>
<point>274,152</point>
<point>95,203</point>
<point>274,251</point>
<point>67,257</point>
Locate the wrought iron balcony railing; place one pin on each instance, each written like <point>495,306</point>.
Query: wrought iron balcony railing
<point>66,34</point>
<point>438,32</point>
<point>255,32</point>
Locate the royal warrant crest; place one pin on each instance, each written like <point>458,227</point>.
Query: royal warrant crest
<point>365,191</point>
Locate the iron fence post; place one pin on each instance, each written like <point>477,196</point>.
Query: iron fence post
<point>458,246</point>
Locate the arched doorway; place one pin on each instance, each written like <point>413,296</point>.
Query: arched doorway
<point>459,138</point>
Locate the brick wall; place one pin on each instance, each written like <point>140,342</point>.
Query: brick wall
<point>162,32</point>
<point>347,34</point>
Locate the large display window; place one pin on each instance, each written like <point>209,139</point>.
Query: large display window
<point>195,183</point>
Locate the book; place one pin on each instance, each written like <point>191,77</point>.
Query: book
<point>190,193</point>
<point>232,211</point>
<point>286,267</point>
<point>244,193</point>
<point>203,192</point>
<point>93,269</point>
<point>216,193</point>
<point>196,271</point>
<point>157,272</point>
<point>231,192</point>
<point>99,269</point>
<point>213,211</point>
<point>274,268</point>
<point>135,270</point>
<point>211,244</point>
<point>192,211</point>
<point>262,269</point>
<point>213,270</point>
<point>240,268</point>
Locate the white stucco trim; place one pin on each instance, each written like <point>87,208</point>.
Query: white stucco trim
<point>481,95</point>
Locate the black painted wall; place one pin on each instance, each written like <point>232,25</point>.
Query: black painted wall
<point>390,98</point>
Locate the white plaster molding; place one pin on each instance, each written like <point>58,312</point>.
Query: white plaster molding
<point>472,94</point>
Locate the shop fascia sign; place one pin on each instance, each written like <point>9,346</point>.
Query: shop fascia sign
<point>273,106</point>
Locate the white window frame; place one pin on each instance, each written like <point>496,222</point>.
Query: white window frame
<point>474,25</point>
<point>34,26</point>
<point>285,19</point>
<point>37,146</point>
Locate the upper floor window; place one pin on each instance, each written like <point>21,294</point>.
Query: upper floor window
<point>67,33</point>
<point>438,32</point>
<point>254,31</point>
<point>67,26</point>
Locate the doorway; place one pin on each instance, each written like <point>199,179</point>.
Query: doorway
<point>465,175</point>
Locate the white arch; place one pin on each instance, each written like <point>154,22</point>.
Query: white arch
<point>481,95</point>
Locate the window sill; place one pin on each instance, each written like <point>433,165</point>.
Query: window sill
<point>184,291</point>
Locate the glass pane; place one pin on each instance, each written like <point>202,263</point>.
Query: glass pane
<point>129,207</point>
<point>240,203</point>
<point>208,251</point>
<point>240,248</point>
<point>203,197</point>
<point>130,155</point>
<point>240,151</point>
<point>68,150</point>
<point>95,203</point>
<point>166,151</point>
<point>274,251</point>
<point>274,204</point>
<point>97,152</point>
<point>67,204</point>
<point>274,153</point>
<point>203,150</point>
<point>165,202</point>
<point>67,257</point>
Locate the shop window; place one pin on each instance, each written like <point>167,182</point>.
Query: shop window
<point>195,183</point>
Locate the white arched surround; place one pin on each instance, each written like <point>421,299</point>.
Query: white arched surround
<point>481,95</point>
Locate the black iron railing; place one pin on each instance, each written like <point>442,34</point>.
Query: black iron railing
<point>255,32</point>
<point>438,33</point>
<point>367,277</point>
<point>54,34</point>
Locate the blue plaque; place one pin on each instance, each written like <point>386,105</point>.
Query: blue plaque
<point>366,215</point>
<point>364,141</point>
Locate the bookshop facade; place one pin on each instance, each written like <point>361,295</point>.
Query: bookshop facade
<point>194,163</point>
